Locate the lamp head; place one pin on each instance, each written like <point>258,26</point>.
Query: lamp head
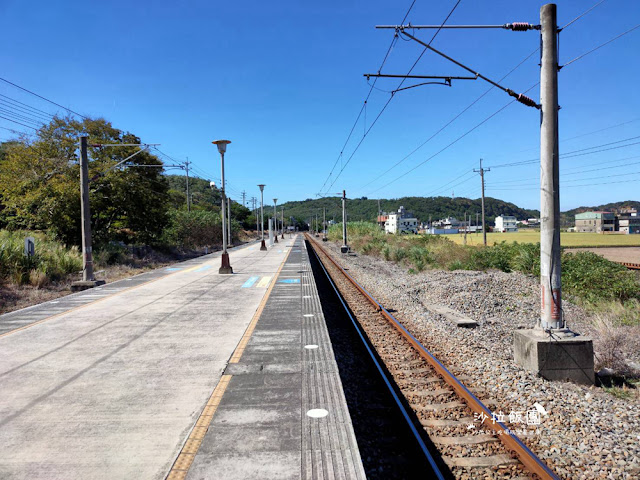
<point>262,185</point>
<point>275,200</point>
<point>222,145</point>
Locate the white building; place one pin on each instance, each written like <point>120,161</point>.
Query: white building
<point>401,222</point>
<point>506,223</point>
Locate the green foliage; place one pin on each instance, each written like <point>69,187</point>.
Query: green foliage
<point>39,185</point>
<point>592,277</point>
<point>198,228</point>
<point>363,209</point>
<point>585,275</point>
<point>52,260</point>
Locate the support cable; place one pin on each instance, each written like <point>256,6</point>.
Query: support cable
<point>391,98</point>
<point>43,98</point>
<point>384,60</point>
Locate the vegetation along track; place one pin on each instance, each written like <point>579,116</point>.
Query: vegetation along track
<point>466,434</point>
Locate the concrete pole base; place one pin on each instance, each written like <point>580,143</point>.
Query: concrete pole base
<point>563,355</point>
<point>225,267</point>
<point>282,237</point>
<point>344,249</point>
<point>276,239</point>
<point>262,245</point>
<point>85,285</point>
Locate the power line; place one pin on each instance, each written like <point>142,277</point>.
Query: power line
<point>452,120</point>
<point>25,105</point>
<point>43,98</point>
<point>24,110</point>
<point>391,97</point>
<point>28,126</point>
<point>582,15</point>
<point>599,47</point>
<point>364,104</point>
<point>453,142</point>
<point>473,103</point>
<point>20,116</point>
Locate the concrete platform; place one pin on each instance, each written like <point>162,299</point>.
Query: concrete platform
<point>109,383</point>
<point>260,425</point>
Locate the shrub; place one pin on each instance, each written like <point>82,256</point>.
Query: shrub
<point>193,229</point>
<point>593,278</point>
<point>52,259</point>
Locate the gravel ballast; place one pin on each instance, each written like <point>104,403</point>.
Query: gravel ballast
<point>587,432</point>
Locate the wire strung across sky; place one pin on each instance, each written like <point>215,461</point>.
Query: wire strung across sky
<point>388,101</point>
<point>43,98</point>
<point>486,119</point>
<point>364,104</point>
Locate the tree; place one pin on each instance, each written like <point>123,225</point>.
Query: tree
<point>40,186</point>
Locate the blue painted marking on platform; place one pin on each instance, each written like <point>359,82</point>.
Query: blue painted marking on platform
<point>250,282</point>
<point>279,251</point>
<point>203,268</point>
<point>289,280</point>
<point>173,269</point>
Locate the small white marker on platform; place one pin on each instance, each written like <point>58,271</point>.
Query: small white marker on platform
<point>317,413</point>
<point>306,296</point>
<point>308,315</point>
<point>311,347</point>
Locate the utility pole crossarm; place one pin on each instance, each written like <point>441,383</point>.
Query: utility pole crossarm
<point>515,26</point>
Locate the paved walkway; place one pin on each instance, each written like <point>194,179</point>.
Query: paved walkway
<point>280,411</point>
<point>113,387</point>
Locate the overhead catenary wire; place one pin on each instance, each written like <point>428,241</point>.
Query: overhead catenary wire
<point>384,60</point>
<point>43,98</point>
<point>579,57</point>
<point>452,143</point>
<point>392,96</point>
<point>450,121</point>
<point>485,93</point>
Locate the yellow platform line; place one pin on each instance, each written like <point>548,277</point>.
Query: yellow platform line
<point>188,453</point>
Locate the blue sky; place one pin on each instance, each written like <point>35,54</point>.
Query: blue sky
<point>283,81</point>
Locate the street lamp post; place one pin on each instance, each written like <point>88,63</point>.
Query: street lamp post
<point>262,245</point>
<point>282,217</point>
<point>225,267</point>
<point>275,220</point>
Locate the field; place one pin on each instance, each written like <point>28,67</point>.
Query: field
<point>566,239</point>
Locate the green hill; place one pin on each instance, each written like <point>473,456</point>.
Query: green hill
<point>423,207</point>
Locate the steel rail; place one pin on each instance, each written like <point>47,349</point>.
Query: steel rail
<point>528,458</point>
<point>425,450</point>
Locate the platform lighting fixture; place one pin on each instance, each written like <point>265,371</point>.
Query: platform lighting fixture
<point>225,266</point>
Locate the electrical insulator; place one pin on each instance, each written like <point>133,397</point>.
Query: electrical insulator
<point>519,26</point>
<point>527,101</point>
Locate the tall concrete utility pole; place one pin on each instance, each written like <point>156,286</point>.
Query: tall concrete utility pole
<point>317,231</point>
<point>244,195</point>
<point>186,169</point>
<point>550,349</point>
<point>262,244</point>
<point>230,238</point>
<point>275,220</point>
<point>225,266</point>
<point>282,222</point>
<point>484,224</point>
<point>549,175</point>
<point>324,223</point>
<point>345,246</point>
<point>85,212</point>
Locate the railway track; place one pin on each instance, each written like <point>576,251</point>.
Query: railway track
<point>469,439</point>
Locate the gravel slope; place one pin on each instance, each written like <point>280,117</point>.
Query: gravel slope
<point>587,433</point>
